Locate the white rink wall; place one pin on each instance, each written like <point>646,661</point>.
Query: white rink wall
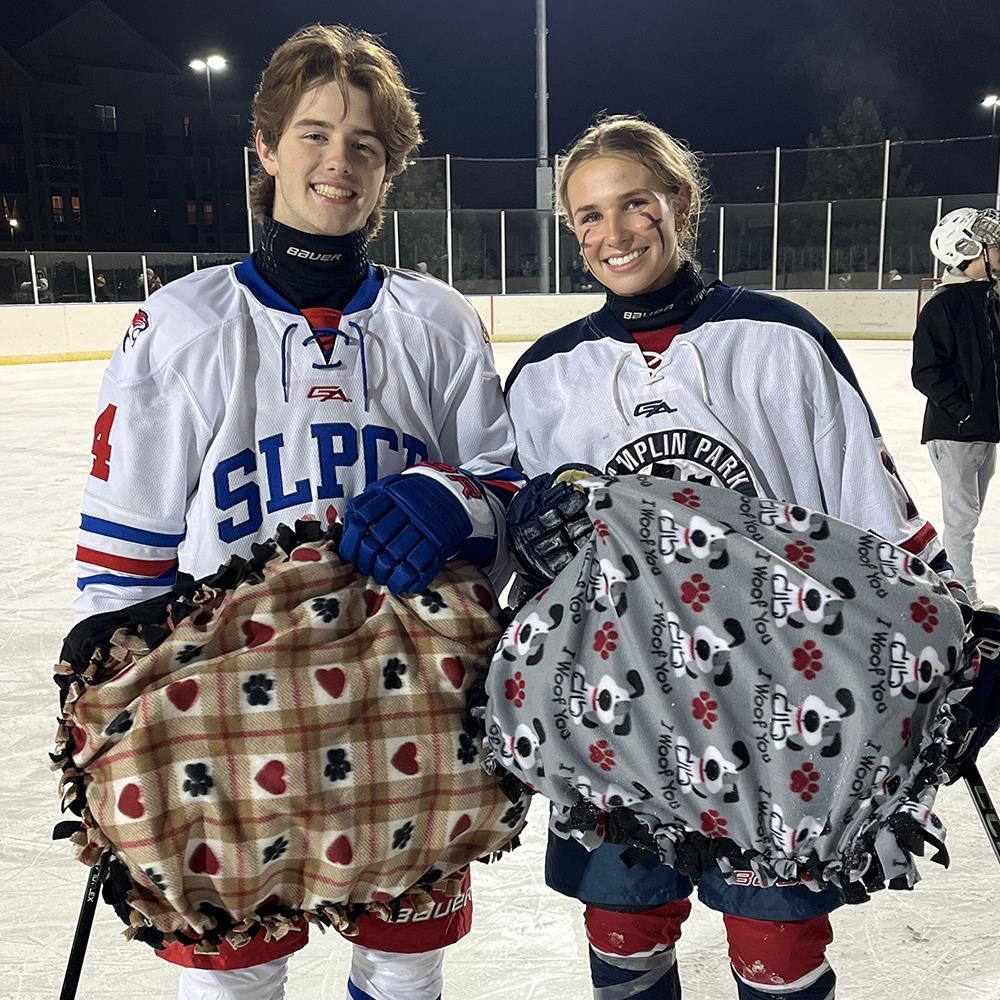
<point>80,331</point>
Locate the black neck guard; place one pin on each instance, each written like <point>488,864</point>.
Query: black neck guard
<point>311,270</point>
<point>667,306</point>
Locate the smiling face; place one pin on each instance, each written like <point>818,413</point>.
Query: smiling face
<point>329,164</point>
<point>626,223</point>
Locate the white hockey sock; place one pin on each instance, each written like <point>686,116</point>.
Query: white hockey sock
<point>259,982</point>
<point>387,975</point>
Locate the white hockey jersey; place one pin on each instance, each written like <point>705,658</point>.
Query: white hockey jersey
<point>753,394</point>
<point>221,416</point>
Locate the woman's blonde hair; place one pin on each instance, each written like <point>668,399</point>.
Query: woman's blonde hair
<point>669,160</point>
<point>321,54</point>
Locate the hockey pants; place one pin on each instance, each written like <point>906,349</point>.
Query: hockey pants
<point>632,955</point>
<point>398,960</point>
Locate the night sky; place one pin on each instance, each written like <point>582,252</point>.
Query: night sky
<point>725,75</point>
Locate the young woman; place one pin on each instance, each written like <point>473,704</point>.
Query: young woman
<point>718,385</point>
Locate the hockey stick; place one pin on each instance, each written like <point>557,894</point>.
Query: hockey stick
<point>77,953</point>
<point>984,805</point>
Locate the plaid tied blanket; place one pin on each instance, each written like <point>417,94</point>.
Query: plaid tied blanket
<point>285,738</point>
<point>732,681</point>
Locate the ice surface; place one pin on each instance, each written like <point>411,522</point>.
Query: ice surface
<point>941,941</point>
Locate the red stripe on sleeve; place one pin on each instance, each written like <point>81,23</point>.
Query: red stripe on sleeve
<point>140,567</point>
<point>916,544</point>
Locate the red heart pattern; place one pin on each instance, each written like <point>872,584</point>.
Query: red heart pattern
<point>204,861</point>
<point>183,694</point>
<point>272,777</point>
<point>483,596</point>
<point>79,737</point>
<point>405,759</point>
<point>462,826</point>
<point>306,554</point>
<point>130,802</point>
<point>257,633</point>
<point>340,851</point>
<point>332,680</point>
<point>454,670</point>
<point>373,601</point>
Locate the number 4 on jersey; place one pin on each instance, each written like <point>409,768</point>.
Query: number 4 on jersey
<point>101,448</point>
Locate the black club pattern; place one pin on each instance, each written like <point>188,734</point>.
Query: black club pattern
<point>338,766</point>
<point>257,688</point>
<point>198,781</point>
<point>467,749</point>
<point>393,672</point>
<point>121,723</point>
<point>326,608</point>
<point>401,836</point>
<point>188,653</point>
<point>433,601</point>
<point>274,850</point>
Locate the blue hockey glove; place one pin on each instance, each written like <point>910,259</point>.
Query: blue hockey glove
<point>547,522</point>
<point>405,527</point>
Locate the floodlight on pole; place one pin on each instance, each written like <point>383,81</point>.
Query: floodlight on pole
<point>992,101</point>
<point>206,65</point>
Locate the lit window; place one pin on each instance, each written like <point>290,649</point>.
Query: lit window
<point>107,117</point>
<point>192,213</point>
<point>208,213</point>
<point>57,208</point>
<point>74,207</point>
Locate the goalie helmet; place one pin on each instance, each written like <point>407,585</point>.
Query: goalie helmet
<point>962,235</point>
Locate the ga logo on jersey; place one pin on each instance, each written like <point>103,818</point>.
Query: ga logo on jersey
<point>140,322</point>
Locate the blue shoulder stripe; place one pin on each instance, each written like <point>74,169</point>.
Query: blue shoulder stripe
<point>167,579</point>
<point>126,533</point>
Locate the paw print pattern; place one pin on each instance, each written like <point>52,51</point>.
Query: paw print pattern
<point>605,640</point>
<point>326,608</point>
<point>513,815</point>
<point>392,673</point>
<point>906,730</point>
<point>188,653</point>
<point>704,708</point>
<point>601,528</point>
<point>513,689</point>
<point>808,659</point>
<point>805,781</point>
<point>696,592</point>
<point>338,766</point>
<point>713,824</point>
<point>924,613</point>
<point>198,781</point>
<point>156,878</point>
<point>433,601</point>
<point>257,688</point>
<point>603,755</point>
<point>401,836</point>
<point>688,497</point>
<point>801,554</point>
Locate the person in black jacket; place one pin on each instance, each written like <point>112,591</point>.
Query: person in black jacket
<point>956,354</point>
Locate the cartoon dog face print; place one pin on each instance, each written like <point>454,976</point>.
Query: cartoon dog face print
<point>898,566</point>
<point>916,675</point>
<point>798,600</point>
<point>521,633</point>
<point>608,797</point>
<point>812,724</point>
<point>791,517</point>
<point>711,773</point>
<point>792,840</point>
<point>607,583</point>
<point>604,703</point>
<point>698,539</point>
<point>702,652</point>
<point>523,749</point>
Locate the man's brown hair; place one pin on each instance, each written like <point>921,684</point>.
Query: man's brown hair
<point>321,54</point>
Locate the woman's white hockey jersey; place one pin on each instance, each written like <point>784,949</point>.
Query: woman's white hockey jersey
<point>221,416</point>
<point>753,394</point>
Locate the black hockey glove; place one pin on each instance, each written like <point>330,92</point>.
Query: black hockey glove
<point>546,523</point>
<point>983,700</point>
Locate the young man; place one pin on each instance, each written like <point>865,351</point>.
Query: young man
<point>956,350</point>
<point>304,381</point>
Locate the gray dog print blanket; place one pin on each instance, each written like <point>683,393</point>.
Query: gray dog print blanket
<point>740,682</point>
